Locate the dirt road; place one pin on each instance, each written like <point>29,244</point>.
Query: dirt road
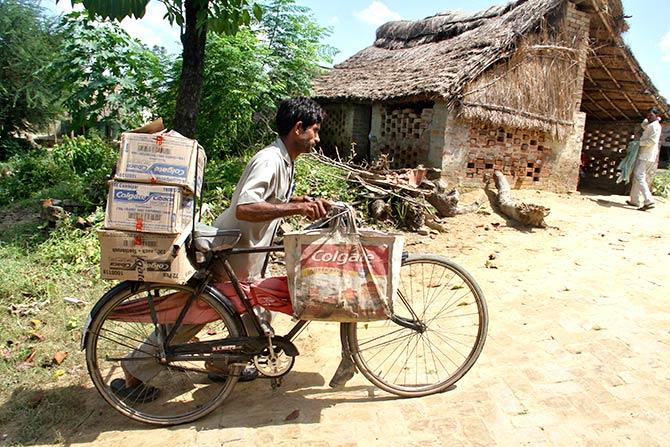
<point>577,351</point>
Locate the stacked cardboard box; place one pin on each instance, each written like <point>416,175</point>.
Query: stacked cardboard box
<point>150,208</point>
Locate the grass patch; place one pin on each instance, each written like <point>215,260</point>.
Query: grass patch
<point>41,267</point>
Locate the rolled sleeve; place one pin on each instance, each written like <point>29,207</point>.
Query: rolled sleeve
<point>258,185</point>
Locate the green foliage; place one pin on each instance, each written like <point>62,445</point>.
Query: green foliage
<point>222,176</point>
<point>220,16</point>
<point>28,99</point>
<point>246,75</point>
<point>318,179</point>
<point>296,49</point>
<point>235,86</point>
<point>661,184</point>
<point>76,169</point>
<point>108,79</point>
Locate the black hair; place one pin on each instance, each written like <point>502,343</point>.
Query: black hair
<point>297,109</point>
<point>654,110</point>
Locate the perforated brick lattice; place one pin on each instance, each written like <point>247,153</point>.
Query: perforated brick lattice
<point>604,148</point>
<point>333,130</point>
<point>518,153</point>
<point>403,130</point>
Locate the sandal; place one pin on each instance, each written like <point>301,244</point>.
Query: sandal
<point>646,206</point>
<point>139,393</point>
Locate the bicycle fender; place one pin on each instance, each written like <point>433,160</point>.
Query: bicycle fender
<point>134,284</point>
<point>225,302</point>
<point>98,305</point>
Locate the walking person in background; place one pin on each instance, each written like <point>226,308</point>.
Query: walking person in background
<point>647,161</point>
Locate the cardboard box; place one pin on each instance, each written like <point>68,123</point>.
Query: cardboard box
<point>148,208</point>
<point>144,257</point>
<point>167,158</point>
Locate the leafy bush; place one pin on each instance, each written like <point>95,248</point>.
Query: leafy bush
<point>221,178</point>
<point>661,184</point>
<point>76,169</point>
<point>318,179</point>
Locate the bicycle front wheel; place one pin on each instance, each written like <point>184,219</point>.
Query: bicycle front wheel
<point>452,318</point>
<point>122,341</point>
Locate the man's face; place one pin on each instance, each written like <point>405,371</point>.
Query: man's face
<point>308,137</point>
<point>651,116</point>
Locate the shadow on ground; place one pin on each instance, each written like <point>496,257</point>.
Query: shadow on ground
<point>77,414</point>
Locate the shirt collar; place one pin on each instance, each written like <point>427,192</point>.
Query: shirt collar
<point>284,152</point>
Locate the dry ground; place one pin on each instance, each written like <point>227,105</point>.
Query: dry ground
<point>577,350</point>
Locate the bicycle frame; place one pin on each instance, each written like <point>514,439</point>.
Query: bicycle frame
<point>252,343</point>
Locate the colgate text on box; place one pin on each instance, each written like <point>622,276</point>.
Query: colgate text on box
<point>143,257</point>
<point>166,158</point>
<point>148,208</point>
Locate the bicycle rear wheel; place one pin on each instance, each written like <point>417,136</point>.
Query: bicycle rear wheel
<point>121,339</point>
<point>451,310</point>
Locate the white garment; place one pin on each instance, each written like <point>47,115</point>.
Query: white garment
<point>268,177</point>
<point>644,171</point>
<point>649,142</point>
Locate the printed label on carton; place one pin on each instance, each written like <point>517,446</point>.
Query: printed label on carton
<point>148,208</point>
<point>143,257</point>
<point>162,158</point>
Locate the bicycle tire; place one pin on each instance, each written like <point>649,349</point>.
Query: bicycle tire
<point>184,394</point>
<point>468,310</point>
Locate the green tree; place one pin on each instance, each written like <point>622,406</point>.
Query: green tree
<point>108,79</point>
<point>296,51</point>
<point>247,74</point>
<point>195,18</point>
<point>28,99</point>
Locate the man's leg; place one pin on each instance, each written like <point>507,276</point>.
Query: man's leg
<point>140,365</point>
<point>638,173</point>
<point>645,176</point>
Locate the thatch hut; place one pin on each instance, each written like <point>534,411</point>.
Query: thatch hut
<point>532,88</point>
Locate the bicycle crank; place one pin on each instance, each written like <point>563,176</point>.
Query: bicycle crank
<point>273,362</point>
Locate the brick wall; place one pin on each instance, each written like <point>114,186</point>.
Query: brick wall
<point>520,154</point>
<point>346,126</point>
<point>605,146</point>
<point>336,131</point>
<point>403,133</point>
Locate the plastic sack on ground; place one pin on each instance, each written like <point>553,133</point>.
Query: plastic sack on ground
<point>341,273</point>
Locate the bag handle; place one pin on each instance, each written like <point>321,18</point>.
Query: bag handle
<point>341,218</point>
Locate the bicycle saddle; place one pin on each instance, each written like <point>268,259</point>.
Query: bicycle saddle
<point>208,238</point>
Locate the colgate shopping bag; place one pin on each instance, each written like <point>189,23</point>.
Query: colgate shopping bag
<point>341,273</point>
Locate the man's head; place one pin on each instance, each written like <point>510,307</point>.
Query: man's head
<point>652,115</point>
<point>298,124</point>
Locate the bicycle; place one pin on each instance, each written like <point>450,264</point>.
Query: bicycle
<point>436,334</point>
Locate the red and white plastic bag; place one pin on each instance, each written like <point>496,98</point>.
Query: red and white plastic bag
<point>341,273</point>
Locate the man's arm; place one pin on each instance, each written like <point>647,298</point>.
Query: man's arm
<point>264,211</point>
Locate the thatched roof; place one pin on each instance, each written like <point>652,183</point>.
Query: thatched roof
<point>437,57</point>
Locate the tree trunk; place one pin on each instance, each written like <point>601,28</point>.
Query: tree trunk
<point>526,213</point>
<point>447,205</point>
<point>192,71</point>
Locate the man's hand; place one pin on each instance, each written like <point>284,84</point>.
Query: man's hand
<point>314,208</point>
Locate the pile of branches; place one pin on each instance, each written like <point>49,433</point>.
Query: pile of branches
<point>410,198</point>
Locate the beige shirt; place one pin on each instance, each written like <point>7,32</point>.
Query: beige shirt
<point>649,141</point>
<point>268,177</point>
